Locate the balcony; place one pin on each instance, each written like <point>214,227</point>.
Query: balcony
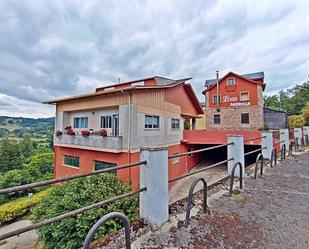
<point>99,142</point>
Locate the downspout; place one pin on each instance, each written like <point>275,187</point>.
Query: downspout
<point>217,73</point>
<point>129,135</point>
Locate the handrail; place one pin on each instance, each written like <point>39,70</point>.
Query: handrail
<point>200,150</point>
<point>191,196</point>
<point>68,214</point>
<point>66,178</point>
<point>101,221</point>
<point>252,139</point>
<point>198,171</point>
<point>233,175</point>
<point>254,151</point>
<point>283,152</point>
<point>258,158</point>
<point>273,156</point>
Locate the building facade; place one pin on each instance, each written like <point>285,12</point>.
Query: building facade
<point>109,126</point>
<point>235,102</point>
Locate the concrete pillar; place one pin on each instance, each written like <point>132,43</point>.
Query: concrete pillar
<point>284,136</point>
<point>306,133</point>
<point>298,135</point>
<point>267,141</point>
<point>154,176</point>
<point>235,151</point>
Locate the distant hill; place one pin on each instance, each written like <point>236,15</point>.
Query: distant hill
<point>18,126</point>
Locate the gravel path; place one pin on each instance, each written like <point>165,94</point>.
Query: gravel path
<point>271,212</point>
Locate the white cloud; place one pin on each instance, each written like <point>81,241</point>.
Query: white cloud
<point>61,48</point>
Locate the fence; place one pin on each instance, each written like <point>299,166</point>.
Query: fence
<point>154,182</point>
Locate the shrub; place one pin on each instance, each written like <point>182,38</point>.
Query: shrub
<point>296,121</point>
<point>71,232</point>
<point>40,165</point>
<point>19,207</point>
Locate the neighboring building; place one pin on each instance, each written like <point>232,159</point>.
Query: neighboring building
<point>201,122</point>
<point>135,114</point>
<point>235,103</point>
<point>275,119</point>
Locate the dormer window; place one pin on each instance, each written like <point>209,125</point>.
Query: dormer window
<point>230,81</point>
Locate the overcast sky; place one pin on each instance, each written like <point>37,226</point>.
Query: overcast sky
<point>51,49</point>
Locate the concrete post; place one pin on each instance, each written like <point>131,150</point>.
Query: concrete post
<point>298,135</point>
<point>154,176</point>
<point>284,136</point>
<point>306,134</point>
<point>267,141</point>
<point>235,151</point>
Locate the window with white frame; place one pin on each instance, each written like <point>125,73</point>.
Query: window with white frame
<point>152,122</point>
<point>216,99</point>
<point>175,124</point>
<point>81,122</point>
<point>106,121</point>
<point>230,81</point>
<point>175,159</point>
<point>244,96</point>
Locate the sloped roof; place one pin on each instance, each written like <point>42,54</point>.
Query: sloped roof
<point>250,76</point>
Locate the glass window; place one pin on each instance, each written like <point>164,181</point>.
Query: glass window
<point>152,122</point>
<point>230,81</point>
<point>71,161</point>
<point>106,121</point>
<point>245,118</point>
<point>244,96</point>
<point>175,124</point>
<point>98,165</point>
<point>217,119</point>
<point>81,122</point>
<point>216,99</point>
<point>175,159</point>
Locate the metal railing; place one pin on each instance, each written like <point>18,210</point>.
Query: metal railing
<point>74,212</point>
<point>260,159</point>
<point>254,151</point>
<point>190,196</point>
<point>253,139</point>
<point>241,169</point>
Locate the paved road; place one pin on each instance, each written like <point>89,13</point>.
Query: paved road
<point>25,241</point>
<point>271,212</point>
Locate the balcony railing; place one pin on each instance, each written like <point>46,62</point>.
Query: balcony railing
<point>109,142</point>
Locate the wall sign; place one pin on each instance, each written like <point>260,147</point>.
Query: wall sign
<point>230,99</point>
<point>236,104</point>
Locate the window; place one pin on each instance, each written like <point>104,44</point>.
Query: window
<point>216,99</point>
<point>230,81</point>
<point>245,118</point>
<point>217,119</point>
<point>98,165</point>
<point>71,161</point>
<point>175,159</point>
<point>106,121</point>
<point>244,96</point>
<point>151,122</point>
<point>81,122</point>
<point>175,124</point>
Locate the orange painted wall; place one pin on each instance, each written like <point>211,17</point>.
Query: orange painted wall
<point>178,96</point>
<point>132,174</point>
<point>241,85</point>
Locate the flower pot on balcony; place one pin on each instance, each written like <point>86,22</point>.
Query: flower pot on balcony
<point>58,133</point>
<point>85,133</point>
<point>69,131</point>
<point>102,132</point>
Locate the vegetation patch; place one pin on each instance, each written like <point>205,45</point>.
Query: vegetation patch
<point>77,194</point>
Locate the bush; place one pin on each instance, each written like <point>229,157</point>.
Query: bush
<point>18,208</point>
<point>41,166</point>
<point>296,121</point>
<point>71,232</point>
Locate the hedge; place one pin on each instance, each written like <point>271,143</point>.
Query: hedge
<point>19,207</point>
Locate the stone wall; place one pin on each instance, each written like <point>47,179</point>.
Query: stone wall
<point>231,118</point>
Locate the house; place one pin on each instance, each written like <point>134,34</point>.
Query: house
<point>140,113</point>
<point>234,102</point>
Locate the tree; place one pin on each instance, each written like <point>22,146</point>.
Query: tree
<point>27,146</point>
<point>10,155</point>
<point>296,121</point>
<point>41,166</point>
<point>76,194</point>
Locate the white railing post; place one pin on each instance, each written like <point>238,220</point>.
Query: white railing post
<point>235,151</point>
<point>267,141</point>
<point>154,176</point>
<point>284,136</point>
<point>298,135</point>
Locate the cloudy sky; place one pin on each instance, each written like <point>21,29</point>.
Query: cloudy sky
<point>51,49</point>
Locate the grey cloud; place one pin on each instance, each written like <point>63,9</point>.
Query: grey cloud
<point>51,49</point>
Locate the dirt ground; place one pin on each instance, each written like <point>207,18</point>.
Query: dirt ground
<point>271,212</point>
